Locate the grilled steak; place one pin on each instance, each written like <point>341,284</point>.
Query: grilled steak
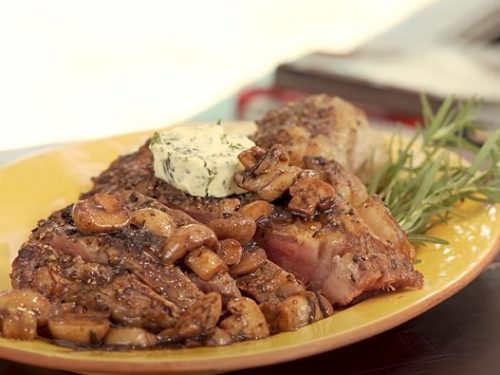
<point>163,266</point>
<point>135,260</point>
<point>325,126</point>
<point>325,228</point>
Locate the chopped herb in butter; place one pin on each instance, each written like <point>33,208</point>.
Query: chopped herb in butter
<point>200,160</point>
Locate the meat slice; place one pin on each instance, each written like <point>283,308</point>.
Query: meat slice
<point>130,249</point>
<point>119,270</point>
<point>322,225</point>
<point>270,283</point>
<point>337,254</point>
<point>344,247</point>
<point>221,283</point>
<point>374,214</point>
<point>131,303</point>
<point>94,287</point>
<point>106,254</point>
<point>320,125</point>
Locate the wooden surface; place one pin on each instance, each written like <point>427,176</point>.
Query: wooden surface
<point>461,336</point>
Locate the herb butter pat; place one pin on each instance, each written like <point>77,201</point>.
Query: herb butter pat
<point>200,160</point>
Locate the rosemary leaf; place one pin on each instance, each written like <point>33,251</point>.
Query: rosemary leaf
<point>421,184</point>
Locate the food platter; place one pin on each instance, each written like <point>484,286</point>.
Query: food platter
<point>32,188</point>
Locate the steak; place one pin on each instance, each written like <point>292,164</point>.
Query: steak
<point>330,234</point>
<point>136,253</point>
<point>323,126</point>
<point>74,258</point>
<point>333,236</point>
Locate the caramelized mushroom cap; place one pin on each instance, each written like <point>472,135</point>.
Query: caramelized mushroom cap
<point>267,173</point>
<point>202,317</point>
<point>250,261</point>
<point>246,320</point>
<point>204,263</point>
<point>219,337</point>
<point>130,336</point>
<point>26,301</point>
<point>230,251</point>
<point>258,210</point>
<point>100,213</point>
<point>78,328</point>
<point>154,220</point>
<point>187,238</point>
<point>20,325</point>
<point>309,193</point>
<point>240,228</point>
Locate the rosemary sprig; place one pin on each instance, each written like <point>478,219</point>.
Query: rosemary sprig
<point>421,182</point>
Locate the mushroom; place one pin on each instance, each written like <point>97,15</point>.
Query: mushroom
<point>219,337</point>
<point>246,320</point>
<point>100,213</point>
<point>258,210</point>
<point>200,318</point>
<point>154,220</point>
<point>19,325</point>
<point>21,312</point>
<point>168,335</point>
<point>186,238</point>
<point>250,158</point>
<point>204,263</point>
<point>240,228</point>
<point>309,193</point>
<point>26,301</point>
<point>296,311</point>
<point>78,328</point>
<point>230,251</point>
<point>250,261</point>
<point>130,336</point>
<point>267,173</point>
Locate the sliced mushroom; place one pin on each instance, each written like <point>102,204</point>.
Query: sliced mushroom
<point>130,336</point>
<point>230,251</point>
<point>246,320</point>
<point>325,305</point>
<point>20,325</point>
<point>204,263</point>
<point>309,193</point>
<point>201,318</point>
<point>250,261</point>
<point>268,174</point>
<point>295,311</point>
<point>251,157</point>
<point>240,228</point>
<point>78,328</point>
<point>219,337</point>
<point>26,301</point>
<point>154,220</point>
<point>100,213</point>
<point>186,238</point>
<point>258,210</point>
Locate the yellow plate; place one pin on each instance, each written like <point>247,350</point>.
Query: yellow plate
<point>32,188</point>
